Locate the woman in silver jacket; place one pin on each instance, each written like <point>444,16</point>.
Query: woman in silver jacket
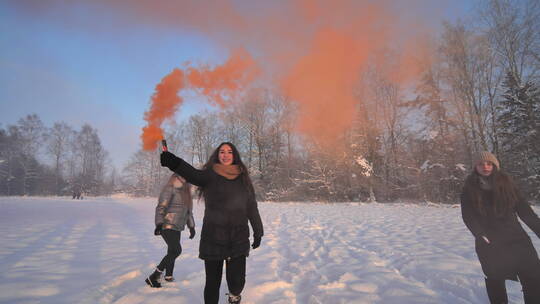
<point>173,212</point>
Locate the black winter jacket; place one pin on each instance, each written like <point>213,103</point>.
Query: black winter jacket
<point>510,250</point>
<point>228,208</point>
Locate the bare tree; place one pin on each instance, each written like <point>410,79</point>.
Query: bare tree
<point>31,134</point>
<point>437,168</point>
<point>255,118</point>
<point>233,129</point>
<point>138,173</point>
<point>466,59</point>
<point>202,131</point>
<point>60,137</point>
<point>513,29</point>
<point>92,158</point>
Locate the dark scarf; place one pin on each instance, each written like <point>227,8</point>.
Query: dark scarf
<point>229,172</point>
<point>484,183</point>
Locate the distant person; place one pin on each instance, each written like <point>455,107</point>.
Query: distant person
<point>229,205</point>
<point>77,194</point>
<point>173,212</point>
<point>490,206</point>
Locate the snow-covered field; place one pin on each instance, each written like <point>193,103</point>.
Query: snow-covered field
<point>99,250</point>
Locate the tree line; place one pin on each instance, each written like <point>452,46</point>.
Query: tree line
<point>479,90</point>
<point>58,160</point>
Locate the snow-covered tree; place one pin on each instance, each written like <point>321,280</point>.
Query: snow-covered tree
<point>30,133</point>
<point>88,161</point>
<point>519,124</point>
<point>438,147</point>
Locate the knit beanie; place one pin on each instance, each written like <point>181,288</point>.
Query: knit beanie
<point>487,156</point>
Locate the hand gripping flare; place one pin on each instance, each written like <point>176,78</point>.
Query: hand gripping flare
<point>164,145</point>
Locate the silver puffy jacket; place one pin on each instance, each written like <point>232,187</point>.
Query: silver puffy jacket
<point>173,210</point>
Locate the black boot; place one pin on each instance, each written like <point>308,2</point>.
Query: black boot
<point>234,299</point>
<point>154,280</point>
<point>496,290</point>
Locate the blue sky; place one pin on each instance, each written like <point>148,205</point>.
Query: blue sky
<point>76,76</point>
<point>79,65</point>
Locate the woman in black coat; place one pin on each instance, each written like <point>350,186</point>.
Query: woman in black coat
<point>229,204</point>
<point>490,206</point>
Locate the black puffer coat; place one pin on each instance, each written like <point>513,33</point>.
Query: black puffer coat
<point>229,207</point>
<point>510,251</point>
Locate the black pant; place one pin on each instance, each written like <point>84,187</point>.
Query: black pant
<point>496,290</point>
<point>235,273</point>
<point>172,238</point>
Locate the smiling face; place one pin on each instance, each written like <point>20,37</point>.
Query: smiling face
<point>484,168</point>
<point>225,155</point>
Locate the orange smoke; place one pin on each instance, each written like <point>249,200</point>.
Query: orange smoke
<point>314,51</point>
<point>225,80</point>
<point>165,102</point>
<point>218,85</point>
<point>324,78</point>
<point>323,82</point>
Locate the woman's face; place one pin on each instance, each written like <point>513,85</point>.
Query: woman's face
<point>484,168</point>
<point>225,155</point>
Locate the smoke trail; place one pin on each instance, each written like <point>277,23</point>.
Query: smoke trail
<point>165,102</point>
<point>218,85</point>
<point>226,80</point>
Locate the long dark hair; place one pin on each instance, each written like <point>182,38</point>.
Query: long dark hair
<point>237,160</point>
<point>505,193</point>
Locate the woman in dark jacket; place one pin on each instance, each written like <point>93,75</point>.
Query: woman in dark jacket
<point>490,206</point>
<point>173,211</point>
<point>229,205</point>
